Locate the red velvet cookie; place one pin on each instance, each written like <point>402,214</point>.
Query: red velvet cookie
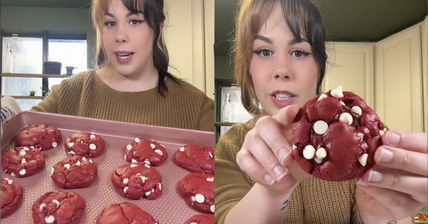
<point>146,151</point>
<point>195,158</point>
<point>11,196</point>
<point>59,207</point>
<point>124,213</point>
<point>335,136</point>
<point>201,219</point>
<point>197,190</point>
<point>84,144</point>
<point>40,136</point>
<point>137,180</point>
<point>74,172</point>
<point>23,161</point>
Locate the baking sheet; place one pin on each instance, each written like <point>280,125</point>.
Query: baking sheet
<point>168,208</point>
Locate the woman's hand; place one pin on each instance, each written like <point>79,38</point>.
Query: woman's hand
<point>397,185</point>
<point>265,155</point>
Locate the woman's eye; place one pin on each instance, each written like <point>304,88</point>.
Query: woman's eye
<point>135,21</point>
<point>109,24</point>
<point>264,52</point>
<point>299,53</point>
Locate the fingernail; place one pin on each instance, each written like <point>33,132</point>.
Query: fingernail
<point>279,172</point>
<point>269,180</point>
<point>375,176</point>
<point>393,138</point>
<point>282,154</point>
<point>385,155</point>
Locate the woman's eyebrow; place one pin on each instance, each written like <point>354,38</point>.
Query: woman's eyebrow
<point>297,40</point>
<point>134,13</point>
<point>263,38</point>
<point>109,14</point>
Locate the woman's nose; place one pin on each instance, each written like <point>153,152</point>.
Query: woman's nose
<point>121,35</point>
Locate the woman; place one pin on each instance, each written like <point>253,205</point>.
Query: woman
<point>280,63</point>
<point>132,83</point>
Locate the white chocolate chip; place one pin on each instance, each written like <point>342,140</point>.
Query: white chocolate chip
<point>143,178</point>
<point>152,145</point>
<point>346,118</point>
<point>194,223</point>
<point>54,144</point>
<point>90,160</point>
<point>321,153</point>
<point>357,110</point>
<point>200,198</point>
<point>50,219</point>
<point>125,189</point>
<point>22,153</point>
<point>137,140</point>
<point>9,181</point>
<point>192,198</point>
<point>158,151</point>
<point>146,165</point>
<point>77,163</point>
<point>343,104</point>
<point>147,162</point>
<point>26,148</point>
<point>382,132</point>
<point>12,174</point>
<point>309,152</point>
<point>67,166</point>
<point>81,141</point>
<point>92,146</point>
<point>134,161</point>
<point>210,179</point>
<point>212,208</point>
<point>56,202</point>
<point>338,92</point>
<point>72,152</point>
<point>363,159</point>
<point>360,136</point>
<point>322,96</point>
<point>92,136</point>
<point>70,144</point>
<point>133,165</point>
<point>22,172</point>
<point>84,159</point>
<point>23,161</point>
<point>42,205</point>
<point>128,147</point>
<point>125,181</point>
<point>52,170</point>
<point>320,127</point>
<point>147,193</point>
<point>211,155</point>
<point>182,149</point>
<point>318,160</point>
<point>160,186</point>
<point>294,147</point>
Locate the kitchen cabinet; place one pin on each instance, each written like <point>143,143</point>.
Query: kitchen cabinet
<point>398,83</point>
<point>351,65</point>
<point>189,36</point>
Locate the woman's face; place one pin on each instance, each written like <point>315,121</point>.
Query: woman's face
<point>283,69</point>
<point>128,40</point>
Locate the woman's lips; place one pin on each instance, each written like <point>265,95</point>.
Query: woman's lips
<point>283,99</point>
<point>124,57</point>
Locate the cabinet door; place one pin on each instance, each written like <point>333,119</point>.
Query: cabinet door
<point>185,39</point>
<point>425,71</point>
<point>399,80</point>
<point>350,65</point>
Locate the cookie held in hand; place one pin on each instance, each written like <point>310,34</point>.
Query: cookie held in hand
<point>335,136</point>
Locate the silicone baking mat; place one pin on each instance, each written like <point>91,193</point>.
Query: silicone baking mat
<point>169,208</point>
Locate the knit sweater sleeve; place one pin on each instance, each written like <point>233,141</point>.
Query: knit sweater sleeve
<point>206,116</point>
<point>231,184</point>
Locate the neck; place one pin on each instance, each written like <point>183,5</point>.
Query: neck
<point>142,81</point>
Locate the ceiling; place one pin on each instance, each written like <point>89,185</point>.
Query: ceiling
<point>344,20</point>
<point>47,3</point>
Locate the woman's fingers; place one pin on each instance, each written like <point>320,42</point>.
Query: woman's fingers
<point>414,141</point>
<point>261,152</point>
<point>401,159</point>
<point>253,169</point>
<point>415,187</point>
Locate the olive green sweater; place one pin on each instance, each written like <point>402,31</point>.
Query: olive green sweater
<point>313,201</point>
<point>86,95</point>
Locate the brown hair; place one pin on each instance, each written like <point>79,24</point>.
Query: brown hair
<point>302,17</point>
<point>155,17</point>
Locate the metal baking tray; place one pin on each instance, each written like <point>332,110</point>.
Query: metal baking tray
<point>169,208</point>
